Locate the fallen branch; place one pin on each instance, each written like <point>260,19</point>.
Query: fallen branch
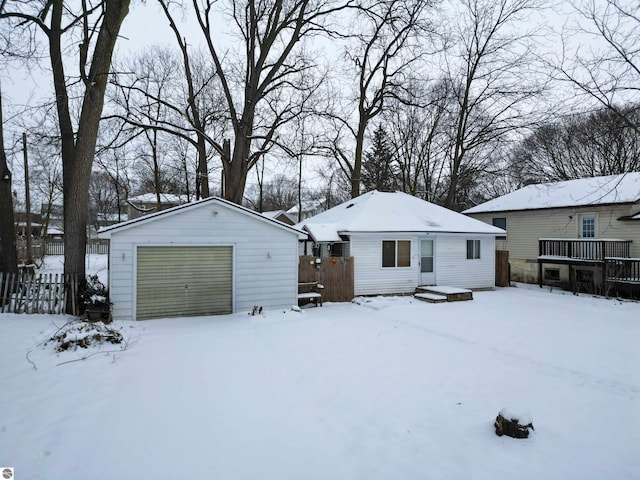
<point>29,360</point>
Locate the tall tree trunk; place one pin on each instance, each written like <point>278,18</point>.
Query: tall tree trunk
<point>78,148</point>
<point>8,251</point>
<point>356,176</point>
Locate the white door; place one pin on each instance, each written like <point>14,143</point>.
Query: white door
<point>427,262</point>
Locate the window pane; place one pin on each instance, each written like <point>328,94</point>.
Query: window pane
<point>426,248</point>
<point>404,253</point>
<point>426,264</point>
<point>500,222</point>
<point>473,249</point>
<point>388,253</point>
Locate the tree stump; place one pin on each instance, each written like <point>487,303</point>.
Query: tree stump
<point>511,427</point>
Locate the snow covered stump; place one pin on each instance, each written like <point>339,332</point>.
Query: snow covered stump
<point>512,425</point>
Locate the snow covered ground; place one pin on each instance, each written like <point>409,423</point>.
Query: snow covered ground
<point>386,388</point>
<point>94,263</point>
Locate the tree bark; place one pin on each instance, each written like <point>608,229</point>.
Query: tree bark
<point>78,148</point>
<point>8,251</point>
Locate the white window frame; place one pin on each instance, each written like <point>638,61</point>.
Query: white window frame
<point>585,216</point>
<point>475,249</point>
<point>395,260</point>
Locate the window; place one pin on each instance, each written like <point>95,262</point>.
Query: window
<point>552,274</point>
<point>473,249</point>
<point>336,249</point>
<point>500,222</point>
<point>587,226</point>
<point>426,256</point>
<point>396,253</point>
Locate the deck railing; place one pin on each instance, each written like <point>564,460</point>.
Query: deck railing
<point>583,249</point>
<point>622,270</point>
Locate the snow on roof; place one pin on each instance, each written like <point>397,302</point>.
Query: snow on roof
<point>390,212</point>
<point>105,232</point>
<point>166,198</point>
<point>636,217</point>
<point>624,188</point>
<point>307,206</point>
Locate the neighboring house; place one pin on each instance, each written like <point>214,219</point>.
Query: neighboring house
<point>203,258</point>
<point>399,242</point>
<point>560,233</point>
<point>281,216</point>
<point>309,209</point>
<point>148,203</point>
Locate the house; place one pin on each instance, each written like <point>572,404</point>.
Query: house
<point>561,233</point>
<point>148,203</point>
<point>309,209</point>
<point>281,216</point>
<point>399,242</point>
<point>202,258</point>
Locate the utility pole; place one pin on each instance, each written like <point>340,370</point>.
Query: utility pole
<point>29,256</point>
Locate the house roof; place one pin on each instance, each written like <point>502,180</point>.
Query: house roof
<point>307,206</point>
<point>390,212</point>
<point>612,189</point>
<point>277,213</point>
<point>167,198</point>
<point>106,232</point>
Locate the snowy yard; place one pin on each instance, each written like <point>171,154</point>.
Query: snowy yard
<point>390,388</point>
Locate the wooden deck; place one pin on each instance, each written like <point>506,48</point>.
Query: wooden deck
<point>438,294</point>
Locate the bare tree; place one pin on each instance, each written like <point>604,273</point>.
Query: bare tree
<point>605,69</point>
<point>8,251</point>
<point>97,25</point>
<point>419,138</point>
<point>382,53</point>
<point>579,146</point>
<point>491,79</point>
<point>257,79</point>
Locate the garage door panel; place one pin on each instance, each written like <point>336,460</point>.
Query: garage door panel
<point>184,281</point>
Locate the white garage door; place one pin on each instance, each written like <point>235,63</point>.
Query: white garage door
<point>184,281</point>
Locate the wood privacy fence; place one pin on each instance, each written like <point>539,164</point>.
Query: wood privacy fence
<point>26,292</point>
<point>335,273</point>
<point>502,268</point>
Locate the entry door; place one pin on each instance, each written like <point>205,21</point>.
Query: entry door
<point>427,262</point>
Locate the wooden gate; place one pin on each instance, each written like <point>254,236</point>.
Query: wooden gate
<point>502,268</point>
<point>335,273</point>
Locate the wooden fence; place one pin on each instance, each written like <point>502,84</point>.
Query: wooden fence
<point>26,292</point>
<point>502,268</point>
<point>335,273</point>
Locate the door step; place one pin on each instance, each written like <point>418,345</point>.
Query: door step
<point>451,294</point>
<point>430,297</point>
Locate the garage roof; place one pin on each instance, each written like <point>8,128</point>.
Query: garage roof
<point>106,232</point>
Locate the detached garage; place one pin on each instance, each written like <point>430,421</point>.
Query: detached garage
<point>210,257</point>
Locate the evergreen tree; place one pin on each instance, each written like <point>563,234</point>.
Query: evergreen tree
<point>378,171</point>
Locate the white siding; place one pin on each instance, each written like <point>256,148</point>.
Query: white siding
<point>454,269</point>
<point>451,264</point>
<point>265,268</point>
<point>369,276</point>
